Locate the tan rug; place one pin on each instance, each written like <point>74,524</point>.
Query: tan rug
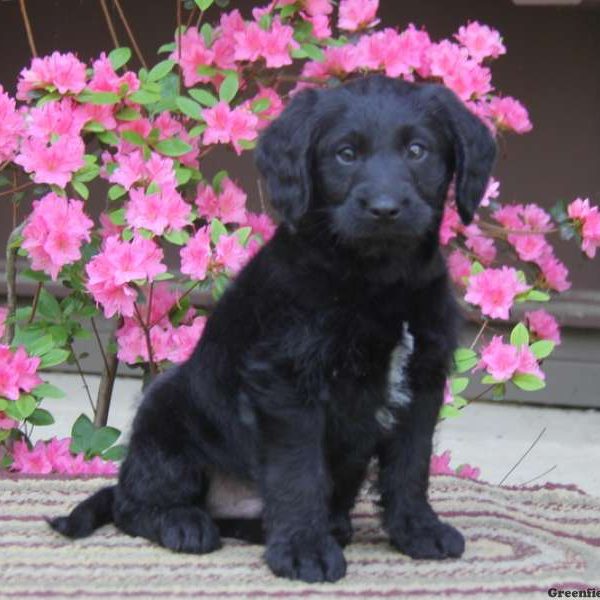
<point>520,543</point>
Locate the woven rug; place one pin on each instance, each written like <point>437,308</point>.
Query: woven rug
<point>520,543</point>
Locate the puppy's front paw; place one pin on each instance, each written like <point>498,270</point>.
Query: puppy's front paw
<point>341,528</point>
<point>423,535</point>
<point>320,560</point>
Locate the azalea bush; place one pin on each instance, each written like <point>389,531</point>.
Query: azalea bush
<point>138,140</point>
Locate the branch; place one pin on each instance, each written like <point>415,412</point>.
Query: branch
<point>110,24</point>
<point>83,379</point>
<point>107,381</point>
<point>130,35</point>
<point>146,330</point>
<point>28,29</point>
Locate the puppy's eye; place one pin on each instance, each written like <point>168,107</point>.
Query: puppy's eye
<point>416,151</point>
<point>346,155</point>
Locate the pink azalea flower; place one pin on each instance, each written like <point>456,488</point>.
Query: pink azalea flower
<point>321,26</point>
<point>157,212</point>
<point>232,203</point>
<point>226,125</point>
<point>459,267</point>
<point>509,216</point>
<point>11,126</point>
<point>105,78</point>
<point>54,233</point>
<point>194,54</point>
<point>528,363</point>
<point>554,272</point>
<point>448,398</point>
<point>131,342</point>
<point>338,62</point>
<point>500,360</point>
<point>101,113</point>
<point>317,7</point>
<point>131,169</point>
<point>543,325</point>
<point>440,464</point>
<point>509,113</point>
<point>207,202</point>
<point>6,422</point>
<point>63,71</point>
<point>588,220</point>
<point>445,58</point>
<point>469,80</point>
<point>274,109</point>
<point>261,224</point>
<point>273,45</point>
<point>357,14</point>
<point>481,41</point>
<point>529,247</point>
<point>29,461</point>
<point>185,339</point>
<point>55,118</point>
<point>479,244</point>
<point>468,472</point>
<point>230,254</point>
<point>494,290</point>
<point>54,163</point>
<point>450,224</point>
<point>118,264</point>
<point>492,191</point>
<point>196,255</point>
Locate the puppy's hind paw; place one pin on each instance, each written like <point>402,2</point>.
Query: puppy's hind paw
<point>189,530</point>
<point>427,538</point>
<point>321,560</point>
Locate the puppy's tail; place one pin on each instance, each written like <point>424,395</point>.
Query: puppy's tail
<point>87,516</point>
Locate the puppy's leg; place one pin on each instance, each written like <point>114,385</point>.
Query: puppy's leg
<point>348,476</point>
<point>404,460</point>
<point>162,482</point>
<point>296,490</point>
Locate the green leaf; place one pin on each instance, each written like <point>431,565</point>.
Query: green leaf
<point>288,10</point>
<point>229,88</point>
<point>537,296</point>
<point>48,306</point>
<point>116,191</point>
<point>88,173</point>
<point>94,127</point>
<point>119,56</point>
<point>109,137</point>
<point>103,438</point>
<point>183,175</point>
<point>219,286</point>
<point>313,52</point>
<point>203,96</point>
<point>115,453</point>
<point>204,4</point>
<point>47,390</point>
<point>448,411</point>
<point>265,21</point>
<point>54,357</point>
<point>81,434</point>
<point>476,268</point>
<point>206,31</point>
<point>542,348</point>
<point>189,107</point>
<point>218,180</point>
<point>179,237</point>
<point>464,359</point>
<point>60,334</point>
<point>144,97</point>
<point>163,276</point>
<point>35,275</point>
<point>206,71</point>
<point>247,144</point>
<point>133,137</point>
<point>260,105</point>
<point>81,189</point>
<point>128,114</point>
<point>40,417</point>
<point>40,345</point>
<point>160,70</point>
<point>173,147</point>
<point>489,380</point>
<point>217,229</point>
<point>89,97</point>
<point>519,336</point>
<point>117,217</point>
<point>242,234</point>
<point>458,384</point>
<point>197,130</point>
<point>25,404</point>
<point>170,47</point>
<point>528,382</point>
<point>459,402</point>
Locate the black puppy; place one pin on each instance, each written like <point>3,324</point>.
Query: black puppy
<point>287,386</point>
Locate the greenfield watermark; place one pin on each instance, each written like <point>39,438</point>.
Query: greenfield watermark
<point>587,593</point>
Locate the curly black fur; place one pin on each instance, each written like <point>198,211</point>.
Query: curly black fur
<point>284,388</point>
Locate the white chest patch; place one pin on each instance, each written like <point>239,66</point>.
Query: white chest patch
<point>398,390</point>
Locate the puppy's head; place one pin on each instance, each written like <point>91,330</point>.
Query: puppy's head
<point>374,158</point>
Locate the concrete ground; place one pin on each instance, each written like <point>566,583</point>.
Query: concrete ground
<point>491,436</point>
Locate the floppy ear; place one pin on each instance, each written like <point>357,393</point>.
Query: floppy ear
<point>283,156</point>
<point>474,150</point>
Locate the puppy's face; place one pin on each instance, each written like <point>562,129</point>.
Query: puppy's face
<point>381,169</point>
<point>373,159</point>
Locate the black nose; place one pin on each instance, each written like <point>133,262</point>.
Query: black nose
<point>383,208</point>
